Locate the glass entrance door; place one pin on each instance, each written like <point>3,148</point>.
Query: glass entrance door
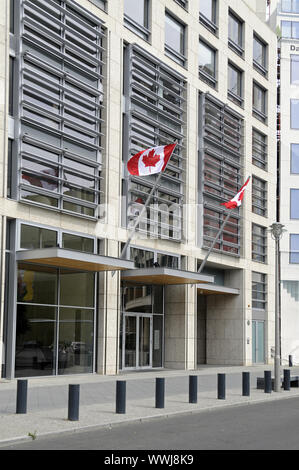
<point>137,341</point>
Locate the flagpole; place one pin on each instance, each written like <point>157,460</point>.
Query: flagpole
<point>141,213</point>
<point>213,244</point>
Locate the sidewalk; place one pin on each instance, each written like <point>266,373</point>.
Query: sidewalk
<point>47,408</point>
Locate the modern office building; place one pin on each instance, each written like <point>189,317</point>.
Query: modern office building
<point>86,84</point>
<point>284,18</point>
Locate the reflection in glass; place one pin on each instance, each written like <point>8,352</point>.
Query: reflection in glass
<point>35,237</point>
<point>37,284</point>
<point>137,10</point>
<point>130,341</point>
<point>74,242</point>
<point>207,59</point>
<point>75,348</point>
<point>138,299</point>
<point>77,288</point>
<point>144,341</point>
<point>174,34</point>
<point>35,340</point>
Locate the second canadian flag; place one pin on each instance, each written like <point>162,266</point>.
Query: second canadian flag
<point>237,200</point>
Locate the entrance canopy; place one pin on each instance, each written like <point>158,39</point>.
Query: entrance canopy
<point>61,258</point>
<point>165,276</point>
<point>212,289</point>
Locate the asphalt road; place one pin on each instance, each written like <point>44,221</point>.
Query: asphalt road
<point>263,426</point>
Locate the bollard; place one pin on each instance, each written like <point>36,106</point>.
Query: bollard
<point>221,386</point>
<point>73,403</point>
<point>160,392</point>
<point>267,381</point>
<point>120,396</point>
<point>245,384</point>
<point>286,379</point>
<point>193,389</point>
<point>22,386</point>
<point>290,361</point>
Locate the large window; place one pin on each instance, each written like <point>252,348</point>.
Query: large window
<point>294,203</point>
<point>295,69</point>
<point>136,17</point>
<point>259,290</point>
<point>207,63</point>
<point>295,114</point>
<point>259,196</point>
<point>259,102</point>
<point>208,14</point>
<point>290,29</point>
<point>294,248</point>
<point>290,6</point>
<point>175,39</point>
<point>259,149</point>
<point>156,116</point>
<point>220,172</point>
<point>235,84</point>
<point>259,243</point>
<point>62,115</point>
<point>235,33</point>
<point>295,158</point>
<point>55,321</point>
<point>259,55</point>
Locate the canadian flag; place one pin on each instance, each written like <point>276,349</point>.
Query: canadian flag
<point>150,161</point>
<point>237,200</point>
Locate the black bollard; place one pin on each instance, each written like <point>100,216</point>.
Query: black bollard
<point>73,403</point>
<point>245,384</point>
<point>22,386</point>
<point>286,379</point>
<point>290,361</point>
<point>160,392</point>
<point>221,386</point>
<point>267,381</point>
<point>120,396</point>
<point>193,389</point>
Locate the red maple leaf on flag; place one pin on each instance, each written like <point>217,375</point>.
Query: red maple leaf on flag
<point>151,159</point>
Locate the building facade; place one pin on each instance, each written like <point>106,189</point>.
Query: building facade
<point>284,18</point>
<point>85,85</point>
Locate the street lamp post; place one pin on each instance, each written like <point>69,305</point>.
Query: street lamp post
<point>277,230</point>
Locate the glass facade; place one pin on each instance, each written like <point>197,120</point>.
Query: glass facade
<point>156,114</point>
<point>61,115</point>
<point>55,321</point>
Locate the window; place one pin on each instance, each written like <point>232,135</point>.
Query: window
<point>294,248</point>
<point>61,115</point>
<point>208,14</point>
<point>259,102</point>
<point>295,158</point>
<point>259,243</point>
<point>32,237</point>
<point>136,17</point>
<point>183,3</point>
<point>207,63</point>
<point>100,3</point>
<point>11,86</point>
<point>220,172</point>
<point>175,39</point>
<point>12,16</point>
<point>295,69</point>
<point>259,290</point>
<point>294,203</point>
<point>290,6</point>
<point>290,29</point>
<point>259,55</point>
<point>295,114</point>
<point>235,33</point>
<point>259,149</point>
<point>235,85</point>
<point>156,115</point>
<point>259,196</point>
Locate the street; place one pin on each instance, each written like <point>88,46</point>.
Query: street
<point>263,426</point>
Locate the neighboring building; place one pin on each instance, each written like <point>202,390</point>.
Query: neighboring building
<point>284,18</point>
<point>85,85</point>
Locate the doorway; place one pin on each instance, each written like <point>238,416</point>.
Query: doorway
<point>137,341</point>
